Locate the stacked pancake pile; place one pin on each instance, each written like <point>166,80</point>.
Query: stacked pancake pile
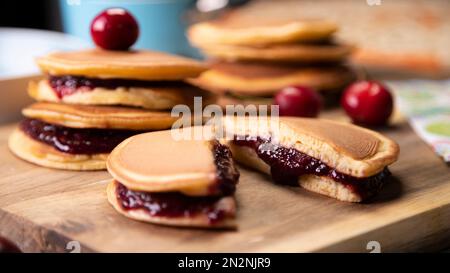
<point>92,100</point>
<point>252,59</point>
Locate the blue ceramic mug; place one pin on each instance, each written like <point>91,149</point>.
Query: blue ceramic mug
<point>162,22</point>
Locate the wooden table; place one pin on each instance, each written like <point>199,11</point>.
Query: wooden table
<point>44,209</point>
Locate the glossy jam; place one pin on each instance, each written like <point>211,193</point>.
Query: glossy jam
<point>170,204</point>
<point>68,85</point>
<point>227,174</point>
<point>288,164</point>
<point>75,141</point>
<point>174,204</point>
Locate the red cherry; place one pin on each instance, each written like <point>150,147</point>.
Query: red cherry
<point>298,101</point>
<point>368,103</point>
<point>114,29</point>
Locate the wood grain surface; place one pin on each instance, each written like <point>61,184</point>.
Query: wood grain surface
<point>44,209</point>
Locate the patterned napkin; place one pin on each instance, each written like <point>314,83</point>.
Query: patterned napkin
<point>427,106</point>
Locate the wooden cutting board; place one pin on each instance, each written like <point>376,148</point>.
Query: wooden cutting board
<point>44,210</point>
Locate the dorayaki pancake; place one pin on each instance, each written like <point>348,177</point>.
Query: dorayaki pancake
<point>348,148</point>
<point>339,160</point>
<point>233,30</point>
<point>291,53</point>
<point>180,182</point>
<point>139,65</point>
<point>156,162</point>
<point>155,98</point>
<point>225,205</point>
<point>44,155</point>
<point>79,137</point>
<point>257,79</point>
<point>107,117</point>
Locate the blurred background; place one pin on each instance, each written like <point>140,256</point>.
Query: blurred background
<point>402,35</point>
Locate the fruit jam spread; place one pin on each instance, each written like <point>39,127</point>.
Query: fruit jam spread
<point>174,204</point>
<point>170,204</point>
<point>227,174</point>
<point>75,141</point>
<point>68,85</point>
<point>288,164</point>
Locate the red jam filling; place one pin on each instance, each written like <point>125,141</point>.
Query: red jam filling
<point>68,85</point>
<point>175,204</point>
<point>75,141</point>
<point>227,174</point>
<point>288,164</point>
<point>171,204</point>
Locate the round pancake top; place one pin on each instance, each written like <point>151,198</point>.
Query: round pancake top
<point>248,31</point>
<point>107,117</point>
<point>157,162</point>
<point>140,65</point>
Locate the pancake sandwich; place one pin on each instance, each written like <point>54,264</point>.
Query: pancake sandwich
<point>146,79</point>
<point>79,137</point>
<point>339,160</point>
<point>158,179</point>
<point>252,59</point>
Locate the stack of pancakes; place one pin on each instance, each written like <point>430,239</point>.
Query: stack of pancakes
<point>92,100</point>
<point>252,60</point>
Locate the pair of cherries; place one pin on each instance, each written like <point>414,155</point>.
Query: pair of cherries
<point>366,102</point>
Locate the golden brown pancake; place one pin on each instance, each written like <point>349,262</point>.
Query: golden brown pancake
<point>44,155</point>
<point>106,117</point>
<point>356,158</point>
<point>253,79</point>
<point>153,98</point>
<point>247,31</point>
<point>80,121</point>
<point>348,148</point>
<point>290,53</point>
<point>138,65</point>
<point>158,164</point>
<point>155,162</point>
